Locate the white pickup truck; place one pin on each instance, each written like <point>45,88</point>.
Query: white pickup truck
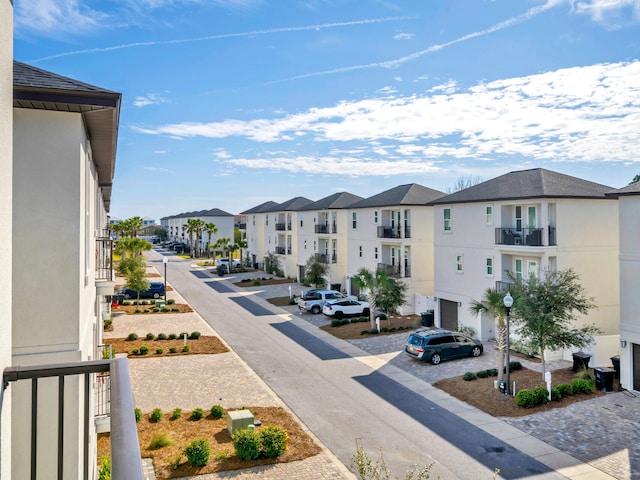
<point>313,300</point>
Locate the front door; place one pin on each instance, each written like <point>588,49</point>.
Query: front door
<point>448,314</point>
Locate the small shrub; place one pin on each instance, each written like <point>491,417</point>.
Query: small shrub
<point>373,331</point>
<point>541,395</point>
<point>364,332</point>
<point>196,414</point>
<point>162,336</point>
<point>146,310</point>
<point>586,373</point>
<point>144,302</point>
<point>256,282</point>
<point>160,440</point>
<point>173,350</point>
<point>176,414</point>
<point>165,309</point>
<point>217,411</point>
<point>525,398</point>
<point>246,441</point>
<point>105,468</point>
<point>482,374</point>
<point>336,323</point>
<point>469,376</point>
<point>556,396</point>
<point>292,301</point>
<point>198,452</point>
<point>132,336</point>
<point>156,415</point>
<point>514,366</point>
<point>159,351</point>
<point>135,351</point>
<point>182,334</point>
<point>150,336</point>
<point>221,455</point>
<point>138,310</point>
<point>384,329</point>
<point>107,323</point>
<point>172,336</point>
<point>138,414</point>
<point>273,440</point>
<point>171,301</point>
<point>144,350</point>
<point>126,303</point>
<point>176,309</point>
<point>194,336</point>
<point>492,372</point>
<point>174,462</point>
<point>156,309</point>
<point>582,386</point>
<point>185,348</point>
<point>565,390</point>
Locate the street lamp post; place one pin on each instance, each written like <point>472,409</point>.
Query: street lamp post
<point>165,260</point>
<point>508,303</point>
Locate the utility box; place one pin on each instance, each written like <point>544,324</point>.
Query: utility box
<point>238,419</point>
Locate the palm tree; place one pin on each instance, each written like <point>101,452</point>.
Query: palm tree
<point>242,244</point>
<point>132,246</point>
<point>211,229</point>
<point>193,225</point>
<point>134,224</point>
<point>222,243</point>
<point>233,248</point>
<point>492,303</point>
<point>119,228</point>
<point>374,283</point>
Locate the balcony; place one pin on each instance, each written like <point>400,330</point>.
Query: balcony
<point>322,229</point>
<point>388,232</point>
<point>391,270</point>
<point>334,228</point>
<point>280,227</point>
<point>104,257</point>
<point>407,231</point>
<point>531,237</point>
<point>125,451</point>
<point>242,226</point>
<point>321,258</point>
<point>334,258</point>
<point>280,250</point>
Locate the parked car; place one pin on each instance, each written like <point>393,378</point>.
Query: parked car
<point>435,345</point>
<point>225,262</point>
<point>313,300</point>
<point>156,290</point>
<point>345,307</point>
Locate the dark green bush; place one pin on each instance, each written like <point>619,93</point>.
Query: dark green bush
<point>196,414</point>
<point>565,390</point>
<point>135,351</point>
<point>273,441</point>
<point>156,309</point>
<point>364,332</point>
<point>469,376</point>
<point>373,331</point>
<point>246,441</point>
<point>217,411</point>
<point>582,386</point>
<point>525,398</point>
<point>132,336</point>
<point>482,374</point>
<point>138,310</point>
<point>514,366</point>
<point>176,414</point>
<point>541,395</point>
<point>150,336</point>
<point>198,452</point>
<point>173,350</point>
<point>162,336</point>
<point>176,309</point>
<point>185,348</point>
<point>172,336</point>
<point>159,351</point>
<point>171,301</point>
<point>144,302</point>
<point>138,414</point>
<point>165,309</point>
<point>194,336</point>
<point>144,350</point>
<point>556,396</point>
<point>493,372</point>
<point>156,415</point>
<point>182,334</point>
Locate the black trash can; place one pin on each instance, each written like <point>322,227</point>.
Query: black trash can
<point>336,286</point>
<point>604,378</point>
<point>428,318</point>
<point>615,360</point>
<point>580,361</point>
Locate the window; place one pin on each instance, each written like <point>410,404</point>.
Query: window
<point>315,245</point>
<point>518,218</point>
<point>301,219</point>
<point>375,253</point>
<point>267,219</point>
<point>489,214</point>
<point>253,220</point>
<point>447,219</point>
<point>519,269</point>
<point>375,217</point>
<point>305,244</point>
<point>360,251</point>
<point>459,263</point>
<point>489,265</point>
<point>354,219</point>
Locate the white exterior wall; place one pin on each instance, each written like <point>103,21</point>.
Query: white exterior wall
<point>306,236</point>
<point>54,316</point>
<point>6,201</point>
<point>629,209</point>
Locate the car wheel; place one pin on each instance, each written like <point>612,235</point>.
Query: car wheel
<point>436,358</point>
<point>475,352</point>
<point>366,312</point>
<point>338,315</point>
<point>156,295</point>
<point>315,309</point>
<point>127,296</point>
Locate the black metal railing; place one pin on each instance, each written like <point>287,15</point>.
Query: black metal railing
<point>407,231</point>
<point>391,270</point>
<point>407,271</point>
<point>526,236</point>
<point>125,450</point>
<point>280,250</point>
<point>334,228</point>
<point>242,226</point>
<point>280,227</point>
<point>321,258</point>
<point>334,258</point>
<point>104,257</point>
<point>322,229</point>
<point>388,232</point>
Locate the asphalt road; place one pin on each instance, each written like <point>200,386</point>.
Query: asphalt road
<point>340,398</point>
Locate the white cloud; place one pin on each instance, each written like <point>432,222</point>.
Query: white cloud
<point>149,99</point>
<point>56,18</point>
<point>611,13</point>
<point>403,36</point>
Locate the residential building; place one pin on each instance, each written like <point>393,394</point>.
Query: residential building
<point>525,222</point>
<point>394,232</point>
<point>256,221</point>
<point>629,348</point>
<point>175,226</point>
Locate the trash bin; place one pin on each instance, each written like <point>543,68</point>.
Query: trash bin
<point>427,318</point>
<point>336,286</point>
<point>580,361</point>
<point>604,378</point>
<point>615,360</point>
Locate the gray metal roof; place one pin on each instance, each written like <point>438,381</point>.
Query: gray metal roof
<point>293,204</point>
<point>409,194</point>
<point>631,189</point>
<point>335,201</point>
<point>534,183</point>
<point>263,207</point>
<point>39,89</point>
<point>214,212</point>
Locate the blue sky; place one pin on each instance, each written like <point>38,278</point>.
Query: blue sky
<point>230,103</point>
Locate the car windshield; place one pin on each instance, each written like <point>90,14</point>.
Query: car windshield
<point>413,340</point>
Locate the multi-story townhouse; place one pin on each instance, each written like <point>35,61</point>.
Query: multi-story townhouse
<point>395,232</point>
<point>64,145</point>
<point>175,225</point>
<point>629,219</point>
<point>256,222</point>
<point>6,237</point>
<point>282,232</point>
<point>324,229</point>
<point>524,222</point>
